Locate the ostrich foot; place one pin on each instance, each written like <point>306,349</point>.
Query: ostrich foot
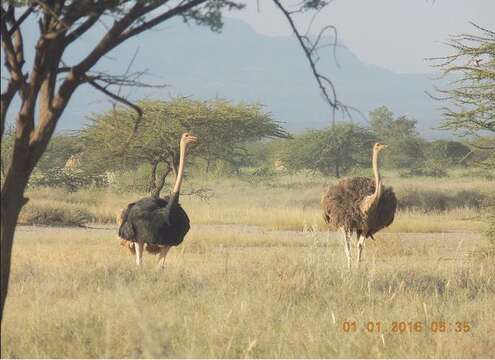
<point>161,264</point>
<point>163,254</point>
<point>360,247</point>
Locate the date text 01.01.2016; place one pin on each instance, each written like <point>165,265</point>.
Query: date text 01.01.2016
<point>439,326</point>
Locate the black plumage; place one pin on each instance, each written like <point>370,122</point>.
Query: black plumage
<point>155,221</point>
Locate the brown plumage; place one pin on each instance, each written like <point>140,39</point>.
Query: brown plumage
<point>341,207</point>
<point>361,205</point>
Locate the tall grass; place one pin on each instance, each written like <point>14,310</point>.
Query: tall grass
<point>290,202</point>
<point>246,293</point>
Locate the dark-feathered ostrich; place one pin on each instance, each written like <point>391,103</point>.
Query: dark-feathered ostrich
<point>360,205</point>
<point>158,223</point>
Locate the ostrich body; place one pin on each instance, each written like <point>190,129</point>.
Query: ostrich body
<point>160,223</point>
<point>360,205</point>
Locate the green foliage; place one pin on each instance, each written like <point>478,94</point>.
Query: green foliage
<point>331,151</point>
<point>130,181</point>
<point>54,215</point>
<point>451,153</point>
<point>210,14</point>
<point>223,130</point>
<point>70,179</point>
<point>472,92</point>
<point>59,150</point>
<point>431,168</point>
<point>405,145</point>
<point>434,200</point>
<point>483,149</point>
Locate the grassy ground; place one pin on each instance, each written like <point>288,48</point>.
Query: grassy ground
<point>239,291</point>
<point>285,202</point>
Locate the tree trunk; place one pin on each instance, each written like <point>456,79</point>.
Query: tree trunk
<point>152,183</point>
<point>29,146</point>
<point>160,184</point>
<point>12,201</point>
<point>155,185</point>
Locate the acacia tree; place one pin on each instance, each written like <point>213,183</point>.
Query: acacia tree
<point>470,96</point>
<point>223,127</point>
<point>51,81</point>
<point>330,151</point>
<point>472,92</point>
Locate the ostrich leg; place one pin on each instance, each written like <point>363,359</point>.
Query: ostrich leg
<point>347,247</point>
<point>360,246</point>
<point>139,246</point>
<point>163,253</point>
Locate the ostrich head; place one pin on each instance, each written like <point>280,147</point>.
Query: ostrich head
<point>379,147</point>
<point>187,139</point>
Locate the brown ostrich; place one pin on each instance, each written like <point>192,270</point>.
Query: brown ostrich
<point>360,205</point>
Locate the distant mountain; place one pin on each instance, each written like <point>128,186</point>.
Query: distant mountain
<point>241,65</point>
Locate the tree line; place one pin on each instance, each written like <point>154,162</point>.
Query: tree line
<point>236,136</point>
<point>338,149</point>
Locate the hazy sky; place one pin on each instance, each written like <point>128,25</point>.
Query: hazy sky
<point>396,34</point>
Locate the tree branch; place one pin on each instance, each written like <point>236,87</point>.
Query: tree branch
<point>21,19</point>
<point>115,97</point>
<point>163,17</point>
<point>85,26</point>
<point>120,99</point>
<point>11,57</point>
<point>309,48</point>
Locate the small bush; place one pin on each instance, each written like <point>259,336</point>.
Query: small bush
<point>479,173</point>
<point>54,215</point>
<point>439,200</point>
<point>70,179</point>
<point>430,171</point>
<point>130,181</point>
<point>264,172</point>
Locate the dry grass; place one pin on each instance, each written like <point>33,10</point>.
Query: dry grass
<point>290,202</point>
<point>239,291</point>
<point>246,291</point>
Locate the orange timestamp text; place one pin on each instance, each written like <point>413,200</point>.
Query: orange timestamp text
<point>403,326</point>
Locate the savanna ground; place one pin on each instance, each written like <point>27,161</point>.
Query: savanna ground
<point>256,277</point>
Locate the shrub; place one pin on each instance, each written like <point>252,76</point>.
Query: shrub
<point>478,173</point>
<point>54,215</point>
<point>130,181</point>
<point>70,179</point>
<point>437,200</point>
<point>430,169</point>
<point>264,172</point>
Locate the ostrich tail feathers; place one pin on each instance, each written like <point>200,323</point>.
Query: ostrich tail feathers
<point>152,249</point>
<point>129,245</point>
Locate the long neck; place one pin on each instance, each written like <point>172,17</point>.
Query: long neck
<point>180,171</point>
<point>378,181</point>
